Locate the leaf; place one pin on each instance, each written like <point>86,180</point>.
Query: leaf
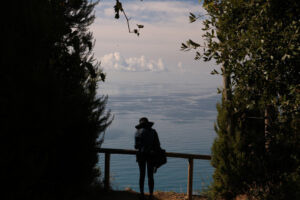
<point>193,15</point>
<point>183,47</point>
<point>198,56</point>
<point>214,72</point>
<point>194,44</point>
<point>118,7</point>
<point>91,69</point>
<point>102,76</point>
<point>192,18</point>
<point>208,5</point>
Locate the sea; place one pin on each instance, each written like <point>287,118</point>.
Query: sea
<point>184,116</point>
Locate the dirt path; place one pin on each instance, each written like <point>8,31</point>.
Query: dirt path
<point>132,195</point>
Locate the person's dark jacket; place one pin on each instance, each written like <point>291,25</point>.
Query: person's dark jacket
<point>148,145</point>
<point>146,140</point>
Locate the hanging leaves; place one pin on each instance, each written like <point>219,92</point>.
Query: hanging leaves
<point>119,8</point>
<point>214,72</point>
<point>140,26</point>
<point>192,17</point>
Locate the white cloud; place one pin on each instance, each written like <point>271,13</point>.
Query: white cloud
<point>116,62</point>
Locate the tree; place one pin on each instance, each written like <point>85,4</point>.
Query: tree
<point>257,43</point>
<point>51,115</point>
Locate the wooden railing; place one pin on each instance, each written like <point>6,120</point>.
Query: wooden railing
<point>190,158</point>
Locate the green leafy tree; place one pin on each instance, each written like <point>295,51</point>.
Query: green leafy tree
<point>51,116</point>
<point>257,43</point>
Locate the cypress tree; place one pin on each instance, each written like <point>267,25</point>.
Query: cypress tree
<point>51,114</point>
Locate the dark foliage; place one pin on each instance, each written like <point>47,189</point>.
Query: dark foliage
<point>51,116</point>
<point>257,148</point>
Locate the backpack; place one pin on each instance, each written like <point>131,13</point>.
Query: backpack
<point>159,158</point>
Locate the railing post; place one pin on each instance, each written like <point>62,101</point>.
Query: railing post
<point>106,175</point>
<point>190,179</point>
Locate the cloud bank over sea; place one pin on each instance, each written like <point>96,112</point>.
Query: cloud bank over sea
<point>116,62</point>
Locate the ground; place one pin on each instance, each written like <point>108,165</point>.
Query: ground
<point>129,194</point>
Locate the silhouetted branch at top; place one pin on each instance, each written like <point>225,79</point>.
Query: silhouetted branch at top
<point>119,8</point>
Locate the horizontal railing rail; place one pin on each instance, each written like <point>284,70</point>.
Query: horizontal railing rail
<point>190,157</point>
<point>168,154</point>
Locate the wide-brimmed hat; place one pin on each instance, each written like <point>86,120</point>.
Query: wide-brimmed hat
<point>144,122</point>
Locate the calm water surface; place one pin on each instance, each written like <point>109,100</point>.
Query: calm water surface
<point>184,117</point>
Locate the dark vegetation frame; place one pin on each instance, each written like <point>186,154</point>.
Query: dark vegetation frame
<point>51,114</point>
<point>257,45</point>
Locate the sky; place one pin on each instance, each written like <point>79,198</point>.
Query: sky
<point>154,56</point>
<point>149,76</point>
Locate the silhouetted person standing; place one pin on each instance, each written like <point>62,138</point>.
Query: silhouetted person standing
<point>147,142</point>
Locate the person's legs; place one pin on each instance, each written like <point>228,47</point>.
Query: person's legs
<point>142,166</point>
<point>150,170</point>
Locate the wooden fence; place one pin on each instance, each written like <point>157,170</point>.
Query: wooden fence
<point>189,157</point>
